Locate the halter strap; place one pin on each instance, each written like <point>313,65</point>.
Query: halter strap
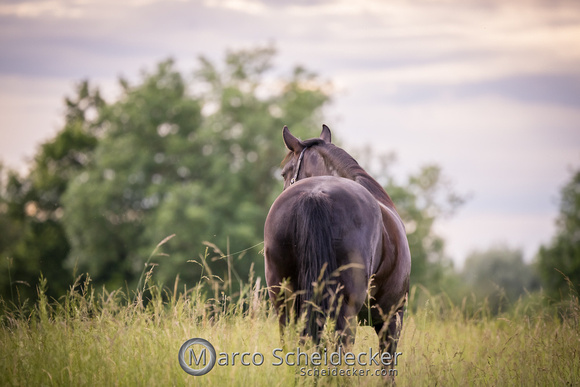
<point>295,178</point>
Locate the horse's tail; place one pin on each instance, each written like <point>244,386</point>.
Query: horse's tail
<point>316,258</point>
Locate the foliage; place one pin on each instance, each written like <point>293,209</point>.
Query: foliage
<point>500,275</point>
<point>32,237</point>
<point>426,198</point>
<point>561,258</point>
<point>197,160</point>
<point>192,156</point>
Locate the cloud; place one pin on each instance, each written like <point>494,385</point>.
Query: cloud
<point>42,8</point>
<point>245,6</point>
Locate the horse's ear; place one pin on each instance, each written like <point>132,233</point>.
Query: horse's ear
<point>291,142</point>
<point>325,135</point>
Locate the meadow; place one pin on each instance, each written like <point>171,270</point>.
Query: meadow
<point>129,338</point>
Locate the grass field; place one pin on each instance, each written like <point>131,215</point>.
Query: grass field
<point>100,338</point>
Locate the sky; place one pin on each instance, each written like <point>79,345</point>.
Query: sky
<point>487,90</point>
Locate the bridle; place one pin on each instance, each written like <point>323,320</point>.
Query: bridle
<point>295,178</point>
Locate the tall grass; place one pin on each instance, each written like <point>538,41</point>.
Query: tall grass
<point>99,337</point>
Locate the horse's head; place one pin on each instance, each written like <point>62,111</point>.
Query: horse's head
<point>302,160</point>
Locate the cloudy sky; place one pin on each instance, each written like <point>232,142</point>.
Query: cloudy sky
<point>489,90</point>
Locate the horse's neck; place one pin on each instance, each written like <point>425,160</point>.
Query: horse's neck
<point>359,175</point>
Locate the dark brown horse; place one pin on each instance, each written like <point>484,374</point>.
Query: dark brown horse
<point>334,239</point>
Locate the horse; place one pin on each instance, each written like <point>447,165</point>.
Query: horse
<point>334,239</point>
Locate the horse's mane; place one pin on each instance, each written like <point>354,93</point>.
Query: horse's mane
<point>348,167</point>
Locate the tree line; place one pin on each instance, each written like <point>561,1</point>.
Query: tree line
<point>193,160</point>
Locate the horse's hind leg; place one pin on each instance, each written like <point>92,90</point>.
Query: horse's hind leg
<point>389,332</point>
<point>346,324</point>
<point>283,300</point>
<point>352,293</point>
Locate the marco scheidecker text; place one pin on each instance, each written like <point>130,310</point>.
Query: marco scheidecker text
<point>200,354</point>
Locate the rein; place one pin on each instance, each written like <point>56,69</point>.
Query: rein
<point>295,178</point>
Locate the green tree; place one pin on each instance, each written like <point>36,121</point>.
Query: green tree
<point>562,256</point>
<point>33,238</point>
<point>500,275</point>
<point>196,159</point>
<point>426,198</point>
